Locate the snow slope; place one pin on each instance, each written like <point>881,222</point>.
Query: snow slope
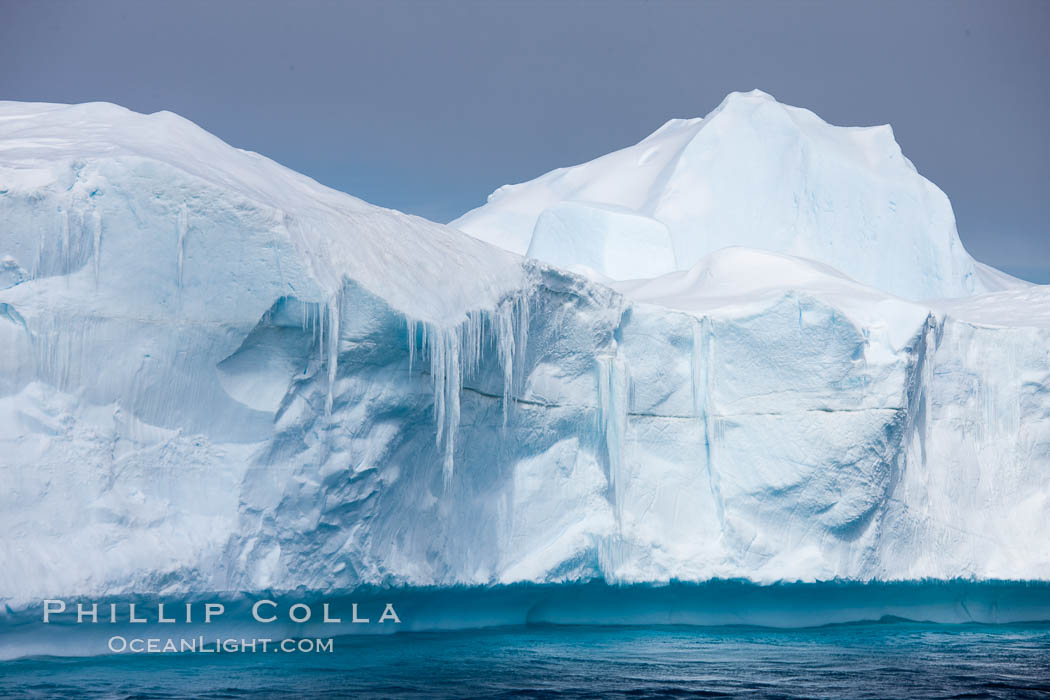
<point>752,173</point>
<point>218,375</point>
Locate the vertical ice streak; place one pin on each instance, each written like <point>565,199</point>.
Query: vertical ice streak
<point>712,428</point>
<point>334,309</point>
<point>613,397</point>
<point>917,399</point>
<point>453,382</point>
<point>65,257</point>
<point>181,225</point>
<point>697,370</point>
<point>96,229</point>
<point>38,268</point>
<point>929,349</point>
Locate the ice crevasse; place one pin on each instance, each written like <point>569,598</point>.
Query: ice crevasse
<point>779,364</point>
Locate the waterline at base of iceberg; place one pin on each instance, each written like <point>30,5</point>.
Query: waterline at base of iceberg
<point>373,610</point>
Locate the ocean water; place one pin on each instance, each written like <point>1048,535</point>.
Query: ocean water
<point>886,659</point>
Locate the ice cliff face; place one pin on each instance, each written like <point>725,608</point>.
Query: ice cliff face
<point>217,374</point>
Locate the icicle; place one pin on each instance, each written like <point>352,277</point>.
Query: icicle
<point>505,351</point>
<point>512,320</point>
<point>443,347</point>
<point>182,225</point>
<point>96,228</point>
<point>471,341</point>
<point>522,316</point>
<point>437,373</point>
<point>453,381</point>
<point>322,321</point>
<point>411,342</point>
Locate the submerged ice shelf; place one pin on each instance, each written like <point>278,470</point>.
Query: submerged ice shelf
<point>219,375</point>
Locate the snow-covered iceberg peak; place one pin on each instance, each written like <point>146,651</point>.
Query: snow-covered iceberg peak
<point>755,173</point>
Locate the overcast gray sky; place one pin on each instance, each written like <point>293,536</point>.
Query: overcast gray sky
<point>427,106</point>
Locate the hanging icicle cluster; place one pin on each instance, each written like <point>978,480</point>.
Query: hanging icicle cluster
<point>512,326</point>
<point>455,354</point>
<point>322,321</point>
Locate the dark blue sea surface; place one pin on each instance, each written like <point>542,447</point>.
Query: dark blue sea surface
<point>886,659</point>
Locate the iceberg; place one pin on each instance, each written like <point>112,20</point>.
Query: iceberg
<point>750,347</point>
